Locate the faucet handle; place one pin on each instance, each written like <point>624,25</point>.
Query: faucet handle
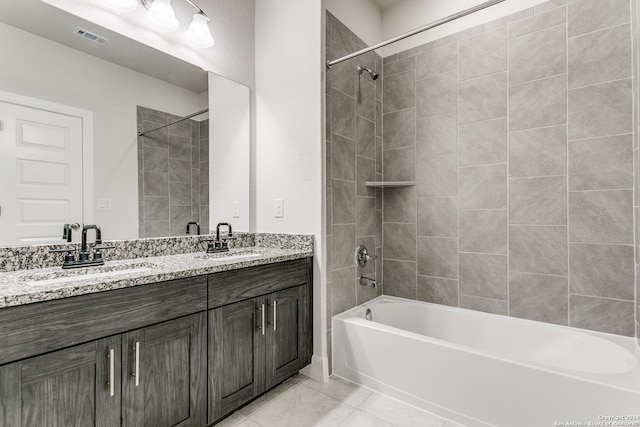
<point>70,256</point>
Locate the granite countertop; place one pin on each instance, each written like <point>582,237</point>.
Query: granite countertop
<point>37,285</point>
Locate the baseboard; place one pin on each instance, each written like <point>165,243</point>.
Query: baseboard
<point>318,369</point>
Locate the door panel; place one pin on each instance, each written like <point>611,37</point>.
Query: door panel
<point>65,388</point>
<point>285,339</point>
<point>164,375</point>
<point>41,172</point>
<point>236,346</point>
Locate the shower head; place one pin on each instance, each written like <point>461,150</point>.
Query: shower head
<point>373,74</point>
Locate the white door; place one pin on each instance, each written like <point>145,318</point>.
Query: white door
<point>40,174</point>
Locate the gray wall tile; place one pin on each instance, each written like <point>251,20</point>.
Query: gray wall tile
<point>600,110</point>
<point>434,60</point>
<point>436,95</point>
<point>155,159</point>
<point>343,202</point>
<point>365,138</point>
<point>437,176</point>
<point>482,98</point>
<point>405,64</point>
<point>180,147</point>
<point>179,194</point>
<point>541,200</point>
<point>438,290</point>
<point>538,249</point>
<point>483,231</point>
<point>399,164</point>
<point>438,257</point>
<point>156,184</point>
<point>343,114</point>
<point>538,55</point>
<point>399,91</point>
<point>343,239</point>
<point>483,275</point>
<point>365,171</point>
<point>592,15</point>
<point>600,314</point>
<point>400,204</point>
<point>400,241</point>
<point>366,97</point>
<point>343,290</point>
<point>483,187</point>
<point>601,270</point>
<point>538,152</point>
<point>483,143</point>
<point>539,297</point>
<point>179,216</point>
<point>601,163</point>
<point>437,135</point>
<point>156,209</point>
<point>488,305</point>
<point>601,216</point>
<point>343,158</point>
<point>600,57</point>
<point>538,103</point>
<point>482,54</point>
<point>399,279</point>
<point>540,21</point>
<point>399,129</point>
<point>180,171</point>
<point>438,216</point>
<point>366,214</point>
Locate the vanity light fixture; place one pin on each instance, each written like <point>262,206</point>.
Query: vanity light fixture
<point>162,16</point>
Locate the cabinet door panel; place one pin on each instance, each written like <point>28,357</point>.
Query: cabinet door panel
<point>285,339</point>
<point>170,368</point>
<point>65,388</point>
<point>235,347</point>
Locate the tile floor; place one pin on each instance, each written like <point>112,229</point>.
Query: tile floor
<point>303,402</point>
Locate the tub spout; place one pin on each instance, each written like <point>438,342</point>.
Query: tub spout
<point>365,281</point>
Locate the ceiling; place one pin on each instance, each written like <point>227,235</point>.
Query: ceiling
<point>54,24</point>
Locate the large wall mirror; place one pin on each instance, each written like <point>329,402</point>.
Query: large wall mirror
<point>116,89</point>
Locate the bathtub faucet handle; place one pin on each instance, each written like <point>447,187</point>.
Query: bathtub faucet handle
<point>362,256</point>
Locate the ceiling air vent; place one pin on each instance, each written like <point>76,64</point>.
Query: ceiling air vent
<point>88,35</point>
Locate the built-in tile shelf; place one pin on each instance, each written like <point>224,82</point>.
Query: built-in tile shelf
<point>390,183</point>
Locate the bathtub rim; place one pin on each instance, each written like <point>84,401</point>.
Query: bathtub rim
<point>630,382</point>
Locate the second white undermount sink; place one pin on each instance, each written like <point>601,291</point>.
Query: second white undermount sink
<point>79,274</point>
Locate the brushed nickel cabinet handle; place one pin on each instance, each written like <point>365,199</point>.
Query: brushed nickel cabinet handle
<point>111,356</point>
<point>136,372</point>
<point>261,310</point>
<point>274,314</point>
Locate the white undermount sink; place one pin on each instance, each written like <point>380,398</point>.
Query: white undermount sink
<point>230,256</point>
<point>79,274</point>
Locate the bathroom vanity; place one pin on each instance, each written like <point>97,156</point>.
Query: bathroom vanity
<point>181,340</point>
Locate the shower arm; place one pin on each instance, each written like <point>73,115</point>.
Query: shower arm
<point>415,31</point>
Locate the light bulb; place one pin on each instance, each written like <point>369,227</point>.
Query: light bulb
<point>162,16</point>
<point>199,33</point>
<point>122,5</point>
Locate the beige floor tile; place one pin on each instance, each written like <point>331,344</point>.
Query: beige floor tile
<point>398,413</point>
<point>232,420</point>
<point>361,419</point>
<point>302,406</point>
<point>342,390</point>
<point>272,395</point>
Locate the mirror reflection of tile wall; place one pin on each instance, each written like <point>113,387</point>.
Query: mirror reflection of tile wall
<point>173,174</point>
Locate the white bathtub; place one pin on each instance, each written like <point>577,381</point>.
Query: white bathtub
<point>481,369</point>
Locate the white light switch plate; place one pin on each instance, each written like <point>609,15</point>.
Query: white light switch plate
<point>279,208</point>
<point>104,204</point>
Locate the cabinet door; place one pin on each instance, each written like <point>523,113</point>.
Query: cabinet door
<point>78,386</point>
<point>236,349</point>
<point>285,337</point>
<point>164,374</point>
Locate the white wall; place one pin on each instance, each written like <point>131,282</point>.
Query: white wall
<point>289,139</point>
<point>45,70</point>
<point>363,17</point>
<point>410,14</point>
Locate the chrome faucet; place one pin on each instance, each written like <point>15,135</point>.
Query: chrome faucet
<point>193,223</point>
<point>83,259</point>
<point>217,244</point>
<point>365,281</point>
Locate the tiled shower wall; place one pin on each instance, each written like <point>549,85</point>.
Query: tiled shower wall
<point>173,175</point>
<point>519,136</point>
<point>353,156</point>
<point>635,38</point>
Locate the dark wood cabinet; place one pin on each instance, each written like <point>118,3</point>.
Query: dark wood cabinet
<point>256,343</point>
<point>70,387</point>
<point>164,374</point>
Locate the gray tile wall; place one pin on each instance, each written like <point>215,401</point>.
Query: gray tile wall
<point>635,54</point>
<point>520,135</point>
<point>354,156</point>
<point>172,175</point>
